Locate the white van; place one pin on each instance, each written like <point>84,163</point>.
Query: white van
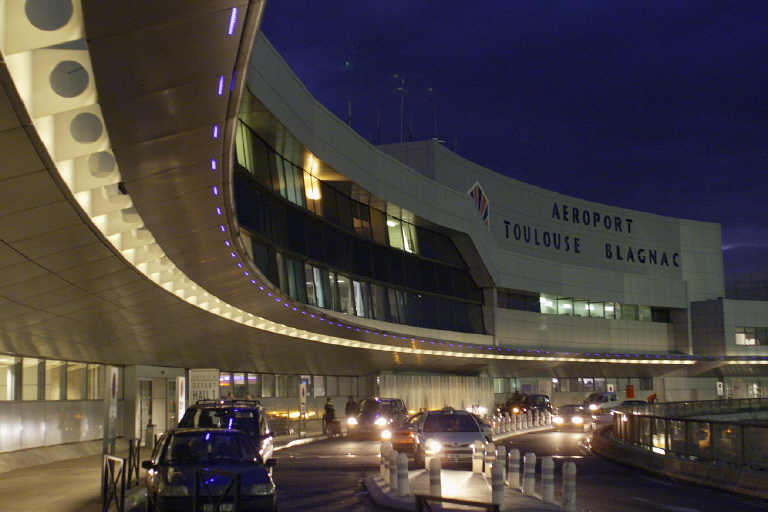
<point>602,402</point>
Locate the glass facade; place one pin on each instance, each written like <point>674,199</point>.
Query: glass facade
<point>326,249</point>
<point>571,306</point>
<point>751,336</point>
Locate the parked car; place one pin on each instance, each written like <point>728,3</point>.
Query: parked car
<point>601,402</point>
<point>447,433</point>
<point>516,404</point>
<point>571,416</point>
<point>245,415</point>
<point>171,473</point>
<point>377,415</point>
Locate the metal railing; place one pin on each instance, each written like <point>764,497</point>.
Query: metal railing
<point>422,503</point>
<point>209,496</point>
<point>134,462</point>
<point>113,484</point>
<point>728,442</point>
<point>700,408</point>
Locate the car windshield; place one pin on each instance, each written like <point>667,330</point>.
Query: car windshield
<point>370,407</point>
<point>571,409</point>
<point>450,423</point>
<point>246,420</point>
<point>206,447</point>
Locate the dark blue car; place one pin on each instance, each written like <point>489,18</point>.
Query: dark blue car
<point>214,455</point>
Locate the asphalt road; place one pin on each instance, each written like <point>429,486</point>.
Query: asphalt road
<point>602,486</point>
<point>326,475</point>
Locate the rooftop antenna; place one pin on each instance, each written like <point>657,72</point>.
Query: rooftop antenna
<point>401,90</point>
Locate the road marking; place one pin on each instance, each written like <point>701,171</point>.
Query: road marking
<point>671,508</point>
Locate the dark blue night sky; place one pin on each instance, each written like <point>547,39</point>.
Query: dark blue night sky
<point>659,106</point>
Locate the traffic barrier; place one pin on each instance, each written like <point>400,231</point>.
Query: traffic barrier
<point>501,461</point>
<point>435,486</point>
<point>403,486</point>
<point>393,470</point>
<point>497,485</point>
<point>513,468</point>
<point>548,479</point>
<point>569,487</point>
<point>490,458</point>
<point>529,474</point>
<point>386,448</point>
<point>477,457</point>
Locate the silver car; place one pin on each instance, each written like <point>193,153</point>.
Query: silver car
<point>448,434</point>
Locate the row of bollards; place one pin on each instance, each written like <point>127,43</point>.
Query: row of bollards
<point>529,419</point>
<point>504,469</point>
<point>393,469</point>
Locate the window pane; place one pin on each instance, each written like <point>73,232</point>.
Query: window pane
<point>362,299</point>
<point>225,386</point>
<point>345,294</point>
<point>379,226</point>
<point>644,313</point>
<point>379,302</point>
<point>610,310</point>
<point>309,279</point>
<point>564,306</point>
<point>596,309</point>
<point>629,312</point>
<point>548,304</point>
<point>362,219</point>
<point>7,377</point>
<point>75,381</point>
<point>395,232</point>
<point>29,369</point>
<point>409,238</point>
<point>332,386</point>
<point>319,385</point>
<point>95,382</point>
<point>254,391</point>
<point>240,385</point>
<point>267,385</point>
<point>580,308</point>
<point>321,286</point>
<point>53,374</point>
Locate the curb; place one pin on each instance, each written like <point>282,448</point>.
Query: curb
<point>378,492</point>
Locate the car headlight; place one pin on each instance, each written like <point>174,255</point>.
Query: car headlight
<point>174,490</point>
<point>351,422</point>
<point>515,410</point>
<point>386,435</point>
<point>578,420</point>
<point>558,420</point>
<point>432,446</point>
<point>380,421</point>
<point>594,407</point>
<point>260,489</point>
<point>624,418</point>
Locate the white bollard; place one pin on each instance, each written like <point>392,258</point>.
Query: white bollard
<point>435,486</point>
<point>477,457</point>
<point>497,485</point>
<point>490,458</point>
<point>529,474</point>
<point>403,486</point>
<point>501,461</point>
<point>393,471</point>
<point>549,418</point>
<point>513,463</point>
<point>385,448</point>
<point>516,425</point>
<point>548,479</point>
<point>569,487</point>
<point>506,423</point>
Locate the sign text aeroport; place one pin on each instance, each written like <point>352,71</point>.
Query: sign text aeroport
<point>568,243</point>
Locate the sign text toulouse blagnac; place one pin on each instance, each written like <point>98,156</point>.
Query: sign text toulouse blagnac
<point>568,243</point>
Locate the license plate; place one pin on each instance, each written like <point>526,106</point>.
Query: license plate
<point>224,507</point>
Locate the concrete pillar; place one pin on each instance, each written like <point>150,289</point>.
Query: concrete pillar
<point>501,461</point>
<point>477,457</point>
<point>386,448</point>
<point>513,465</point>
<point>569,487</point>
<point>497,485</point>
<point>403,486</point>
<point>490,458</point>
<point>435,486</point>
<point>548,479</point>
<point>529,474</point>
<point>393,457</point>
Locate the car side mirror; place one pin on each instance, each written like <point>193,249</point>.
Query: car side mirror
<point>147,464</point>
<point>271,463</point>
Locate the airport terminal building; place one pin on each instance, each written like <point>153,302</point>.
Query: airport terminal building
<point>197,208</point>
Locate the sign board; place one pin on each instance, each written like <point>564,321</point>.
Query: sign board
<point>611,388</point>
<point>303,396</point>
<point>203,384</point>
<point>720,388</point>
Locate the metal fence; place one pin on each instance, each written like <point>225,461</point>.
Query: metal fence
<point>730,442</point>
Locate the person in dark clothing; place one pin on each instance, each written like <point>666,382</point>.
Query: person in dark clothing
<point>330,410</point>
<point>351,409</point>
<point>332,426</point>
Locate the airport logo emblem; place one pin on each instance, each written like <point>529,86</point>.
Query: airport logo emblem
<point>481,202</point>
